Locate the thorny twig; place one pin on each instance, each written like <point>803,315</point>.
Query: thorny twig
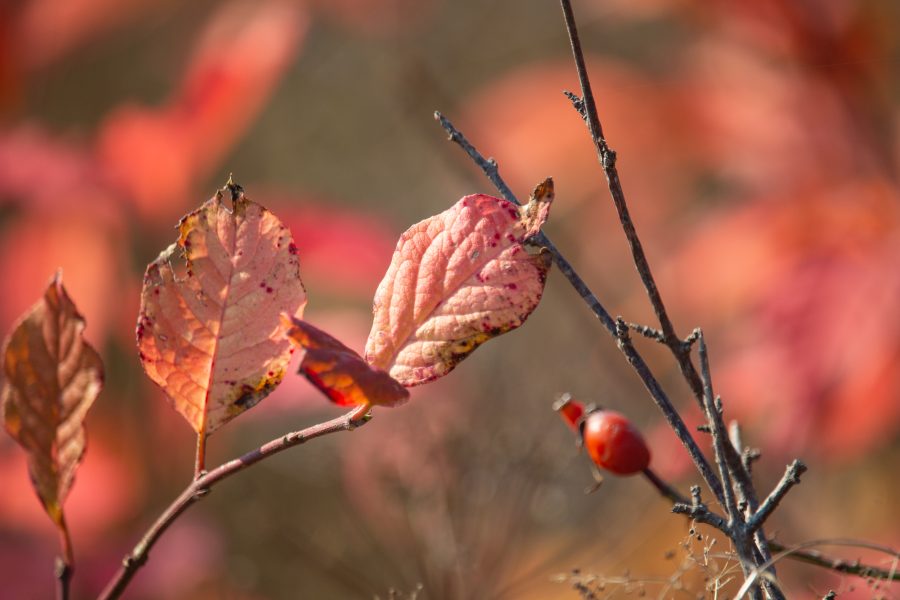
<point>201,486</point>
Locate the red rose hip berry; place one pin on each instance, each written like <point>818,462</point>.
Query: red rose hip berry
<point>614,444</point>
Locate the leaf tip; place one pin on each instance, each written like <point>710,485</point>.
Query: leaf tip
<point>535,213</point>
<point>235,190</point>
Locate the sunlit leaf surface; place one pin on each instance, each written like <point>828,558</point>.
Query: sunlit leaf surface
<point>455,281</point>
<point>212,337</point>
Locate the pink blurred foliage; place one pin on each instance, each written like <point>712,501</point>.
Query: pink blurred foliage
<point>405,455</point>
<point>810,292</point>
<point>44,172</point>
<point>766,126</point>
<point>343,252</point>
<point>156,156</point>
<point>524,120</point>
<point>46,30</point>
<point>23,577</point>
<point>183,559</point>
<point>109,489</point>
<point>33,246</point>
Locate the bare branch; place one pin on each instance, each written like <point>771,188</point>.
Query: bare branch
<point>588,109</point>
<point>665,405</point>
<point>790,479</point>
<point>201,486</point>
<point>713,409</point>
<point>648,332</point>
<point>700,512</point>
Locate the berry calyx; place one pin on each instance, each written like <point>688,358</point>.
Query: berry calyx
<point>570,410</point>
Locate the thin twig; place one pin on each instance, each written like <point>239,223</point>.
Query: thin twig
<point>698,511</point>
<point>854,567</point>
<point>790,479</point>
<point>748,455</point>
<point>665,405</point>
<point>712,407</point>
<point>648,332</point>
<point>850,568</point>
<point>747,553</point>
<point>664,489</point>
<point>201,486</point>
<point>588,109</point>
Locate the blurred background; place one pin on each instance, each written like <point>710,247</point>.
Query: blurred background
<point>759,147</point>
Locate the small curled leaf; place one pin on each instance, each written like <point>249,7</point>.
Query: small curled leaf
<point>52,378</point>
<point>212,339</point>
<point>455,281</point>
<point>339,372</point>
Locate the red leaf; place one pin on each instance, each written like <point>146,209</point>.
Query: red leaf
<point>339,372</point>
<point>53,377</point>
<point>212,339</point>
<point>456,280</point>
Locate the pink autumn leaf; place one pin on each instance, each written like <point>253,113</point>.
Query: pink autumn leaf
<point>455,281</point>
<point>213,339</point>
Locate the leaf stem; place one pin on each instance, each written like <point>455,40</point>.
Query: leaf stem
<point>65,563</point>
<point>200,459</point>
<point>201,486</point>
